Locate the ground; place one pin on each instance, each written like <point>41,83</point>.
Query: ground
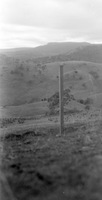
<point>36,162</point>
<point>40,164</point>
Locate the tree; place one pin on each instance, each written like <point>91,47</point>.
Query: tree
<point>53,101</point>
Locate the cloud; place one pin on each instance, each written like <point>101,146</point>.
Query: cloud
<point>25,36</point>
<point>44,21</point>
<point>50,13</point>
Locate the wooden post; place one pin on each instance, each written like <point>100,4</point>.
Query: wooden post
<point>61,110</point>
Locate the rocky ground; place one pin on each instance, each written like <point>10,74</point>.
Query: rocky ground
<point>42,165</point>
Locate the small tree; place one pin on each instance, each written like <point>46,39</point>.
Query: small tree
<point>53,101</point>
<point>81,101</point>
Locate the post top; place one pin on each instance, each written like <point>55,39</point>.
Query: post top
<point>62,65</point>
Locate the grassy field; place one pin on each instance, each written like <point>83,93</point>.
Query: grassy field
<point>40,164</point>
<point>36,162</point>
<point>26,110</point>
<point>19,86</point>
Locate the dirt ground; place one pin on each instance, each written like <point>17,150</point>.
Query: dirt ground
<point>42,165</point>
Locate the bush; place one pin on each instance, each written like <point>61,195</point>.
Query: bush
<point>84,85</point>
<point>81,101</point>
<point>94,74</point>
<point>53,101</point>
<point>87,107</point>
<point>88,101</point>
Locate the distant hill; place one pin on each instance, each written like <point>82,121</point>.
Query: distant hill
<point>50,49</point>
<point>54,52</point>
<point>90,53</point>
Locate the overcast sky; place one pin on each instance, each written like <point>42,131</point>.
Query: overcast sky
<point>29,23</point>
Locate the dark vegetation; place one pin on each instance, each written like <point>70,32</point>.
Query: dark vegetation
<point>88,101</point>
<point>53,101</point>
<point>7,121</point>
<point>94,74</point>
<point>40,165</point>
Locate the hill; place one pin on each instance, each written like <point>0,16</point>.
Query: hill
<point>25,79</point>
<point>50,49</point>
<point>90,53</point>
<point>23,85</point>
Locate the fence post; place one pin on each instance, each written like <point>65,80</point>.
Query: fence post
<point>61,106</point>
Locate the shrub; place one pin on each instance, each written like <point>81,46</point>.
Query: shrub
<point>81,101</point>
<point>94,74</point>
<point>84,85</point>
<point>53,101</point>
<point>88,101</point>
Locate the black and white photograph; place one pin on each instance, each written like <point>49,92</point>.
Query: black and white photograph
<point>50,99</point>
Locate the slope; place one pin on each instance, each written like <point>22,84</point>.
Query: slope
<point>49,49</point>
<point>23,85</point>
<point>90,53</point>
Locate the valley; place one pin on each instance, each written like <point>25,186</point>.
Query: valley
<point>36,162</point>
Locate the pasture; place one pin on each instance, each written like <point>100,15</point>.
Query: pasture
<point>38,163</point>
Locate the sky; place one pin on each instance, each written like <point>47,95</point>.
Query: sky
<point>30,23</point>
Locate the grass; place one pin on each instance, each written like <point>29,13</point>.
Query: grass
<point>41,165</point>
<point>25,110</point>
<point>15,89</point>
